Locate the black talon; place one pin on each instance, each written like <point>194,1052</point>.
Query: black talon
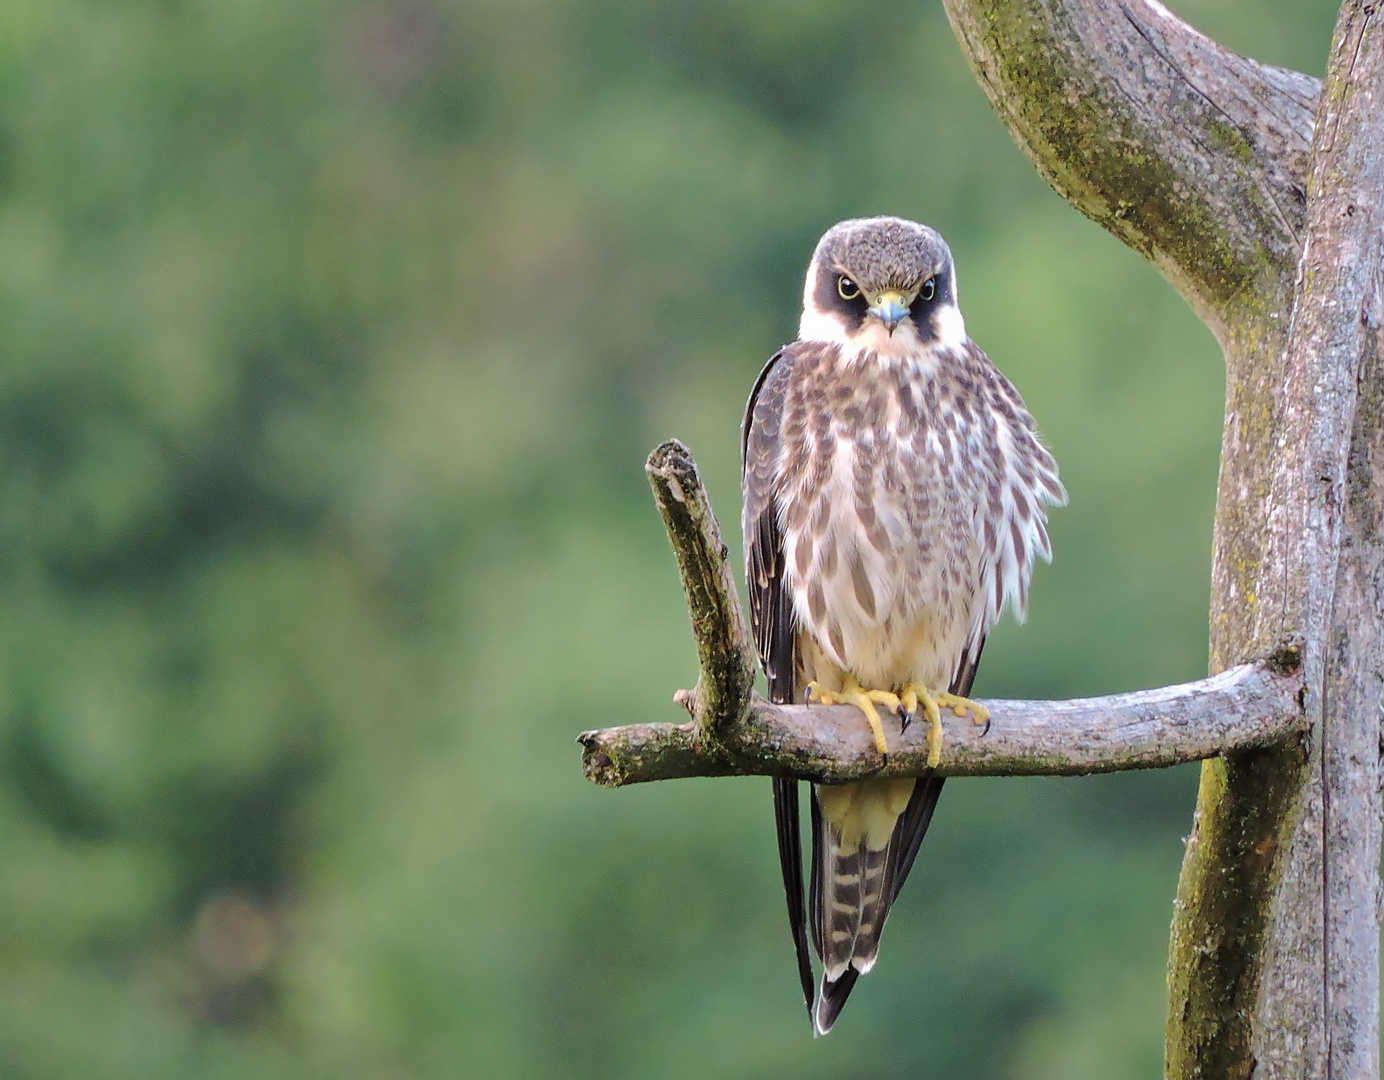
<point>986,729</point>
<point>904,719</point>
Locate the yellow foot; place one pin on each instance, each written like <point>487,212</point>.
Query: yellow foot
<point>852,693</point>
<point>915,694</point>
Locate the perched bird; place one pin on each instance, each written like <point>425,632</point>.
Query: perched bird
<point>894,489</point>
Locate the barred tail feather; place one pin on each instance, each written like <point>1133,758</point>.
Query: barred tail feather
<point>852,903</point>
<point>853,885</point>
<point>874,907</point>
<point>842,900</point>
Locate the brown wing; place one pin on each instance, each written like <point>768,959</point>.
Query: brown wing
<point>771,616</point>
<point>771,612</point>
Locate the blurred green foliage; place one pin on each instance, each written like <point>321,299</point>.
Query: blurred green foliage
<point>332,338</point>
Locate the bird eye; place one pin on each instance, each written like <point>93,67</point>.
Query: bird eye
<point>846,288</point>
<point>928,291</point>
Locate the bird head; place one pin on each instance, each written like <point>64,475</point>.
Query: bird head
<point>883,284</point>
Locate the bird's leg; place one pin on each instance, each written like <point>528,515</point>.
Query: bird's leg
<point>915,694</point>
<point>852,693</point>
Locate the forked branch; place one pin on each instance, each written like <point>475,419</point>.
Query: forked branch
<point>735,732</point>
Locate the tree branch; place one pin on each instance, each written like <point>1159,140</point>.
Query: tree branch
<point>733,731</point>
<point>1192,155</point>
<point>724,652</point>
<point>1247,706</point>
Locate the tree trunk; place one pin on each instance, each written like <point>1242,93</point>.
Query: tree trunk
<point>1198,159</point>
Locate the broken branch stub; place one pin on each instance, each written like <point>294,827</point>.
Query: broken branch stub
<point>724,652</point>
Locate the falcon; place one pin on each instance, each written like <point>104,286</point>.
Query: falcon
<point>894,504</point>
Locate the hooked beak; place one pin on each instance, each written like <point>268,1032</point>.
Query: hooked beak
<point>889,308</point>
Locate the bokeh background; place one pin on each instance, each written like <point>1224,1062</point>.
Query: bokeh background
<point>333,335</point>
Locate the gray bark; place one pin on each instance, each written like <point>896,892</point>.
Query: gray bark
<point>726,657</point>
<point>1243,708</point>
<point>1199,159</point>
<point>1318,1013</point>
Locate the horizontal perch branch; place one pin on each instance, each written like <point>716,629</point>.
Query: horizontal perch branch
<point>735,732</point>
<point>1244,707</point>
